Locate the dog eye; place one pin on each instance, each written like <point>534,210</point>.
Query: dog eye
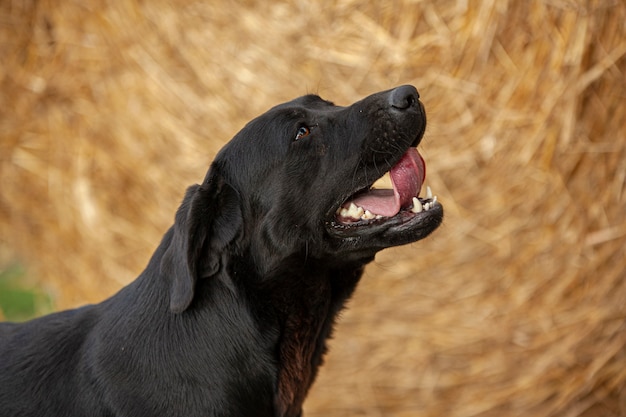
<point>303,132</point>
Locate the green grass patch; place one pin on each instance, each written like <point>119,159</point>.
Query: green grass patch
<point>18,300</point>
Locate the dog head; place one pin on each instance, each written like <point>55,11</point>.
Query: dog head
<point>297,180</point>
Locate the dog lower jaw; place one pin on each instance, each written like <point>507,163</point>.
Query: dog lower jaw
<point>409,225</point>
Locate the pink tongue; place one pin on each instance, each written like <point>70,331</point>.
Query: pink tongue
<point>407,177</point>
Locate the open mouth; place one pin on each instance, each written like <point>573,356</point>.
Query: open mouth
<point>403,201</point>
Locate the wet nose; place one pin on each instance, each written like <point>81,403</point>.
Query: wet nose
<point>403,97</point>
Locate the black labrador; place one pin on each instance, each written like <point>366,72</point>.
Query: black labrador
<point>231,316</point>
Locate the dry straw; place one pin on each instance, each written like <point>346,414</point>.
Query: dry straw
<point>515,307</point>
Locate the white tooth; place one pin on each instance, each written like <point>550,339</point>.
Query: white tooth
<point>368,215</point>
<point>344,212</point>
<point>417,206</point>
<point>355,211</point>
<point>378,217</point>
<point>426,206</point>
<point>352,210</point>
<point>434,200</point>
<point>429,192</point>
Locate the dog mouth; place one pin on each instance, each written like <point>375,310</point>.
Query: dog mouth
<point>399,204</point>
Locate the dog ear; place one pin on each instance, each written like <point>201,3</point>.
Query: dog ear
<point>208,220</point>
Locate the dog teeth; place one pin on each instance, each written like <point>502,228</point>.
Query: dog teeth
<point>356,213</point>
<point>368,215</point>
<point>352,212</point>
<point>418,206</point>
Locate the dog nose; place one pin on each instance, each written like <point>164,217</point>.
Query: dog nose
<point>403,97</point>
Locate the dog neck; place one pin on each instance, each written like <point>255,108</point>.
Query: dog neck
<point>305,302</point>
<point>288,316</point>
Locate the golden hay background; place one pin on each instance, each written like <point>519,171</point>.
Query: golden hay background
<point>515,307</point>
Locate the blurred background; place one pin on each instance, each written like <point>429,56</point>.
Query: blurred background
<point>516,306</point>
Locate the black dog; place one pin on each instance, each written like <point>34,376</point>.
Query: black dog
<point>231,316</point>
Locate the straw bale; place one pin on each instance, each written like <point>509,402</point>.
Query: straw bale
<point>516,306</point>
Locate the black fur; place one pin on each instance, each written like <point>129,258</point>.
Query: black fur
<point>231,315</point>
